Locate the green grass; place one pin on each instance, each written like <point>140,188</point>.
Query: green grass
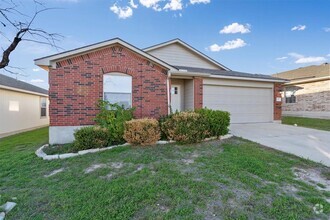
<point>316,123</point>
<point>59,149</point>
<point>232,179</point>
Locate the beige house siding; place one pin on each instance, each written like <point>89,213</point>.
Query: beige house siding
<point>19,112</point>
<point>313,100</point>
<point>177,55</point>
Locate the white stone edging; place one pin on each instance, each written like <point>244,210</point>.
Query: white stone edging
<point>40,153</point>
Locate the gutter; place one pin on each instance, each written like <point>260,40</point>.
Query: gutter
<point>248,78</point>
<point>208,75</point>
<point>23,91</point>
<point>308,80</point>
<point>186,73</point>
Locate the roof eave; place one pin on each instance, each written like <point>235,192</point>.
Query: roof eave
<point>186,73</point>
<point>247,78</point>
<point>23,91</point>
<point>292,82</point>
<point>208,75</point>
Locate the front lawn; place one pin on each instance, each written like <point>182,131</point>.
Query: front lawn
<point>227,179</point>
<point>316,123</point>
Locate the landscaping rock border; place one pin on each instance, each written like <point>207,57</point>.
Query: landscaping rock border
<point>40,152</point>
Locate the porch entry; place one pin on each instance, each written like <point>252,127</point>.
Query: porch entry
<point>182,94</point>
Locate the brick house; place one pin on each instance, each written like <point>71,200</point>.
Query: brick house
<point>307,94</point>
<point>171,75</point>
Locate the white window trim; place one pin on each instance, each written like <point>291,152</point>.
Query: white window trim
<point>40,98</point>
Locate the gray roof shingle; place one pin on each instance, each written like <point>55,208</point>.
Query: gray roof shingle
<point>226,73</point>
<point>11,82</point>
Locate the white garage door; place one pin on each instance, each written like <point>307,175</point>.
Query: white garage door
<point>245,104</point>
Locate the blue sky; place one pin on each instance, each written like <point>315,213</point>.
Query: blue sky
<point>255,36</point>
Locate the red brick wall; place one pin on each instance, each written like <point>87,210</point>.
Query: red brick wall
<point>198,92</point>
<point>277,104</point>
<point>76,84</point>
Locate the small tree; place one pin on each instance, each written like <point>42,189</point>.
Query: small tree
<point>13,19</point>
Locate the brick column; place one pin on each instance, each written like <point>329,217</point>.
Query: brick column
<point>277,103</point>
<point>198,92</point>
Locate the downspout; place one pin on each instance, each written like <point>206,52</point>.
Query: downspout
<point>168,93</point>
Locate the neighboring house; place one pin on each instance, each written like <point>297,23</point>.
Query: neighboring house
<point>22,106</point>
<point>172,75</point>
<point>307,94</point>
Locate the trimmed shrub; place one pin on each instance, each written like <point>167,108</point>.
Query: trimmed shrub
<point>142,131</point>
<point>218,121</point>
<point>113,117</point>
<point>90,137</point>
<point>185,127</point>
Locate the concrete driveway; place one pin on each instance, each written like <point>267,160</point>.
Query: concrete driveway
<point>303,142</point>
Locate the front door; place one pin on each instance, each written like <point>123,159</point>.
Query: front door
<point>176,98</point>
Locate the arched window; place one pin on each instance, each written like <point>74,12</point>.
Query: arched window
<point>117,88</point>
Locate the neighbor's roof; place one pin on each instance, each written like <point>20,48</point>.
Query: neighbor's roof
<point>229,73</point>
<point>47,61</point>
<point>10,83</point>
<point>305,73</point>
<point>184,44</point>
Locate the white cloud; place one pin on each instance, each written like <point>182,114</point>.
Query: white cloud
<point>36,70</point>
<point>328,55</point>
<point>173,5</point>
<point>281,58</point>
<point>298,28</point>
<point>37,81</point>
<point>311,60</point>
<point>301,59</point>
<point>199,1</point>
<point>229,45</point>
<point>150,3</point>
<point>326,29</point>
<point>296,55</point>
<point>132,4</point>
<point>122,12</point>
<point>236,28</point>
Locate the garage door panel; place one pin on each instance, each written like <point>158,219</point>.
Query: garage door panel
<point>245,104</point>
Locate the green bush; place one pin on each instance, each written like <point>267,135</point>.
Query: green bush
<point>142,131</point>
<point>113,117</point>
<point>218,121</point>
<point>161,120</point>
<point>185,127</point>
<point>90,137</point>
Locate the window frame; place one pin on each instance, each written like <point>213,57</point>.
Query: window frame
<point>292,99</point>
<point>40,107</point>
<point>123,75</point>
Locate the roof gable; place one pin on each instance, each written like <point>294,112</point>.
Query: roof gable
<point>178,53</point>
<point>50,61</point>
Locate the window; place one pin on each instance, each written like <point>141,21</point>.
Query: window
<point>13,106</point>
<point>117,88</point>
<point>174,90</point>
<point>43,107</point>
<point>290,95</point>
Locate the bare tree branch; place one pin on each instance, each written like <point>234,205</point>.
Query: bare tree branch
<point>24,30</point>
